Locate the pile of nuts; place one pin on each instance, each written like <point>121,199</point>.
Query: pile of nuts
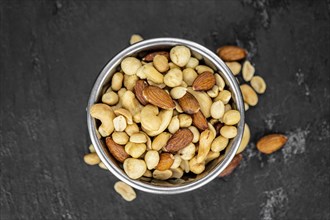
<point>168,114</point>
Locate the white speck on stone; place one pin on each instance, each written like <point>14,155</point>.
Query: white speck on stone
<point>275,205</point>
<point>271,158</point>
<point>301,81</point>
<point>296,143</point>
<point>270,121</point>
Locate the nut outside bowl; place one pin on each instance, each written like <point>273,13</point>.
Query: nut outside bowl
<point>214,168</point>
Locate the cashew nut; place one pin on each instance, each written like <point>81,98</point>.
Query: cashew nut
<point>130,102</point>
<point>195,167</point>
<point>185,166</point>
<point>165,116</point>
<point>105,114</point>
<point>150,119</point>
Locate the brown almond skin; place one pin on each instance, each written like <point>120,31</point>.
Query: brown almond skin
<point>231,53</point>
<point>179,140</point>
<point>199,120</point>
<point>150,57</point>
<point>205,81</point>
<point>271,143</point>
<point>116,150</point>
<point>189,104</point>
<point>165,161</point>
<point>158,97</point>
<point>217,126</point>
<point>138,89</point>
<point>232,165</point>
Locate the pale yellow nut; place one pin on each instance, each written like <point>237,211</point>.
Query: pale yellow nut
<point>178,92</point>
<point>177,172</point>
<point>162,175</point>
<point>219,144</point>
<point>152,74</point>
<point>177,161</point>
<point>161,85</point>
<point>258,84</point>
<point>205,142</point>
<point>117,81</point>
<point>228,131</point>
<point>172,65</point>
<point>192,63</point>
<point>235,67</point>
<point>214,92</point>
<point>187,152</point>
<point>130,81</point>
<point>165,116</point>
<point>140,72</point>
<point>246,106</point>
<point>247,71</point>
<point>219,82</point>
<point>121,92</point>
<point>178,107</point>
<point>134,168</point>
<point>174,125</point>
<point>148,141</point>
<point>148,173</point>
<point>231,117</point>
<point>92,159</point>
<point>217,109</point>
<point>161,63</point>
<point>173,77</point>
<point>110,98</point>
<point>138,138</point>
<point>180,55</point>
<point>184,84</point>
<point>119,123</point>
<point>189,76</point>
<point>211,156</point>
<point>213,121</point>
<point>125,191</point>
<point>151,158</point>
<point>125,113</point>
<point>184,120</point>
<point>202,68</point>
<point>130,102</point>
<point>212,129</point>
<point>249,95</point>
<point>224,96</point>
<point>195,167</point>
<point>132,129</point>
<point>105,114</point>
<point>185,166</point>
<point>120,137</point>
<point>91,148</point>
<point>228,107</point>
<point>160,141</point>
<point>130,65</point>
<point>102,166</point>
<point>204,101</point>
<point>149,118</point>
<point>245,139</point>
<point>135,149</point>
<point>195,132</point>
<point>135,38</point>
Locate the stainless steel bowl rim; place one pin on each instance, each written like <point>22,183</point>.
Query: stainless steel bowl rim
<point>144,45</point>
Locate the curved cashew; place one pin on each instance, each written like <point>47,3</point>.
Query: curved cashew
<point>204,101</point>
<point>105,114</point>
<point>165,116</point>
<point>126,114</point>
<point>149,118</point>
<point>130,102</point>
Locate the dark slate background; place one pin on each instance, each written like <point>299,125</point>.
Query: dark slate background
<point>51,53</point>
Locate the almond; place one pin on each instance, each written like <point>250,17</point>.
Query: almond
<point>150,57</point>
<point>271,143</point>
<point>200,121</point>
<point>158,97</point>
<point>138,89</point>
<point>204,81</point>
<point>165,161</point>
<point>232,165</point>
<point>116,150</point>
<point>189,103</point>
<point>231,53</point>
<point>179,140</point>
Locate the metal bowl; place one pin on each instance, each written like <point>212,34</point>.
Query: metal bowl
<point>214,168</point>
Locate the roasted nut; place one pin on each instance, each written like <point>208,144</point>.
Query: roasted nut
<point>110,98</point>
<point>92,159</point>
<point>152,159</point>
<point>184,120</point>
<point>180,55</point>
<point>195,132</point>
<point>202,68</point>
<point>219,144</point>
<point>205,141</point>
<point>177,172</point>
<point>152,74</point>
<point>192,63</point>
<point>160,141</point>
<point>117,151</point>
<point>185,166</point>
<point>130,65</point>
<point>246,106</point>
<point>199,120</point>
<point>179,140</point>
<point>211,156</point>
<point>135,149</point>
<point>217,109</point>
<point>125,191</point>
<point>174,125</point>
<point>204,101</point>
<point>148,173</point>
<point>258,84</point>
<point>134,168</point>
<point>232,166</point>
<point>271,143</point>
<point>130,103</point>
<point>138,89</point>
<point>91,148</point>
<point>176,162</point>
<point>228,131</point>
<point>105,114</point>
<point>138,138</point>
<point>235,67</point>
<point>120,137</point>
<point>245,139</point>
<point>165,161</point>
<point>195,167</point>
<point>219,82</point>
<point>150,57</point>
<point>187,152</point>
<point>231,117</point>
<point>249,95</point>
<point>172,65</point>
<point>132,129</point>
<point>117,81</point>
<point>227,107</point>
<point>125,113</point>
<point>189,103</point>
<point>224,96</point>
<point>161,63</point>
<point>231,53</point>
<point>247,71</point>
<point>165,116</point>
<point>119,123</point>
<point>158,97</point>
<point>135,38</point>
<point>149,118</point>
<point>189,76</point>
<point>205,81</point>
<point>178,92</point>
<point>214,92</point>
<point>102,166</point>
<point>130,81</point>
<point>162,175</point>
<point>173,77</point>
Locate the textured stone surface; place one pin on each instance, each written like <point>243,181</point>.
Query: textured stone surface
<point>51,53</point>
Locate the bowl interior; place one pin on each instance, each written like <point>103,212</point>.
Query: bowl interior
<point>191,182</point>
